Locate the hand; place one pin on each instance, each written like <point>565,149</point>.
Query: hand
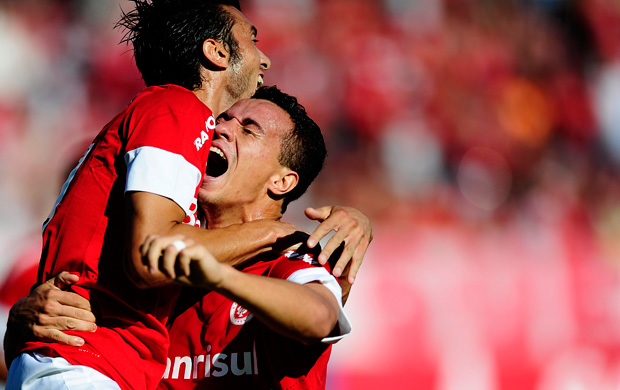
<point>49,310</point>
<point>352,228</point>
<point>183,260</point>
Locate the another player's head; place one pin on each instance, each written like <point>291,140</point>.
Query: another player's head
<point>266,151</point>
<point>303,148</point>
<point>176,41</point>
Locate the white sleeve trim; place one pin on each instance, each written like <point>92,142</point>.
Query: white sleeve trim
<point>164,173</point>
<point>320,274</point>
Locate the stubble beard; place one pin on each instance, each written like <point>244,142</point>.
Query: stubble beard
<point>239,81</point>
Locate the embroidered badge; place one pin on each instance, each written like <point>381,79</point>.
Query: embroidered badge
<point>239,315</point>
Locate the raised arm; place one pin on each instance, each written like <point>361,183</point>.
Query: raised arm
<point>307,312</point>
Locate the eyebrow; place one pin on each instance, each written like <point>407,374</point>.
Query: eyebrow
<point>245,122</point>
<point>252,122</point>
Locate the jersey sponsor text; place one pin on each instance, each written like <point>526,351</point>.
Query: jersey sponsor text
<point>218,365</point>
<point>204,135</point>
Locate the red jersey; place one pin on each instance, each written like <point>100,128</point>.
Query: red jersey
<point>158,144</point>
<point>217,344</point>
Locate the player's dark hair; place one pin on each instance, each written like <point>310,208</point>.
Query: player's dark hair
<point>167,37</point>
<point>303,148</point>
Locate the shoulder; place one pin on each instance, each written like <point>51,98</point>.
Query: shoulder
<point>304,254</point>
<point>170,95</point>
<point>301,258</point>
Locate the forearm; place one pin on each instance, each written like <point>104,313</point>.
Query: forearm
<point>233,244</point>
<point>149,214</point>
<point>230,245</point>
<point>306,312</point>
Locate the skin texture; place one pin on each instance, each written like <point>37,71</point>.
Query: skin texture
<point>242,74</point>
<point>226,81</point>
<point>249,137</point>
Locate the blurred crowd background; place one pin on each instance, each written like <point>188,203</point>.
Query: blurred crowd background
<point>482,138</point>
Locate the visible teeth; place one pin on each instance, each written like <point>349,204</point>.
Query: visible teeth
<point>260,81</point>
<point>218,151</point>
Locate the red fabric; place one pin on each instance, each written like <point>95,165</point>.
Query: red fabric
<point>87,231</point>
<point>251,356</point>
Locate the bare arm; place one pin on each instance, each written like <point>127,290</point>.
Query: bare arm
<point>306,312</point>
<point>150,214</point>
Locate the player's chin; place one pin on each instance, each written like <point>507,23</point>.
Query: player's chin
<point>212,183</point>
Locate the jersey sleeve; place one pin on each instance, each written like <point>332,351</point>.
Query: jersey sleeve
<point>169,136</point>
<point>301,266</point>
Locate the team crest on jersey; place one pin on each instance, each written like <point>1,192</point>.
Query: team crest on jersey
<point>239,315</point>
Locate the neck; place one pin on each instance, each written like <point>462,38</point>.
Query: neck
<point>220,216</point>
<point>213,92</point>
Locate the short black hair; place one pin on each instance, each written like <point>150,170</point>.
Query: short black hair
<point>303,148</point>
<point>167,37</point>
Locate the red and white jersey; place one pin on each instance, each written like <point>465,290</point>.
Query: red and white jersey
<point>217,344</point>
<point>158,144</point>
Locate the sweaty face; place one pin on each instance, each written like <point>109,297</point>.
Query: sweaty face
<point>245,73</point>
<point>244,153</point>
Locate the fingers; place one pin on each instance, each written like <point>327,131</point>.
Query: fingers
<point>57,335</point>
<point>344,284</point>
<point>64,280</point>
<point>158,253</point>
<point>73,300</point>
<point>319,214</point>
<point>180,265</point>
<point>62,310</point>
<point>49,300</point>
<point>196,266</point>
<point>68,304</point>
<point>352,228</point>
<point>55,322</point>
<point>150,257</point>
<point>170,255</point>
<point>332,245</point>
<point>354,261</point>
<point>183,263</point>
<point>348,230</point>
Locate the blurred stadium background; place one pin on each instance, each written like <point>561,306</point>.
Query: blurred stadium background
<point>482,137</point>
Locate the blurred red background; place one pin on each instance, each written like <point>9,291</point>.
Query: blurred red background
<point>481,137</point>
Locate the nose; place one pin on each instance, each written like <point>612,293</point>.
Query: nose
<point>265,62</point>
<point>224,130</point>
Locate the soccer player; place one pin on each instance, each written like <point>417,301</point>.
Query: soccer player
<point>141,176</point>
<point>269,323</point>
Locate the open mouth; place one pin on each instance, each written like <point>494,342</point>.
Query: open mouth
<point>217,164</point>
<point>260,81</point>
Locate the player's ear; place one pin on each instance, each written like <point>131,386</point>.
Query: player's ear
<point>284,182</point>
<point>215,52</point>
